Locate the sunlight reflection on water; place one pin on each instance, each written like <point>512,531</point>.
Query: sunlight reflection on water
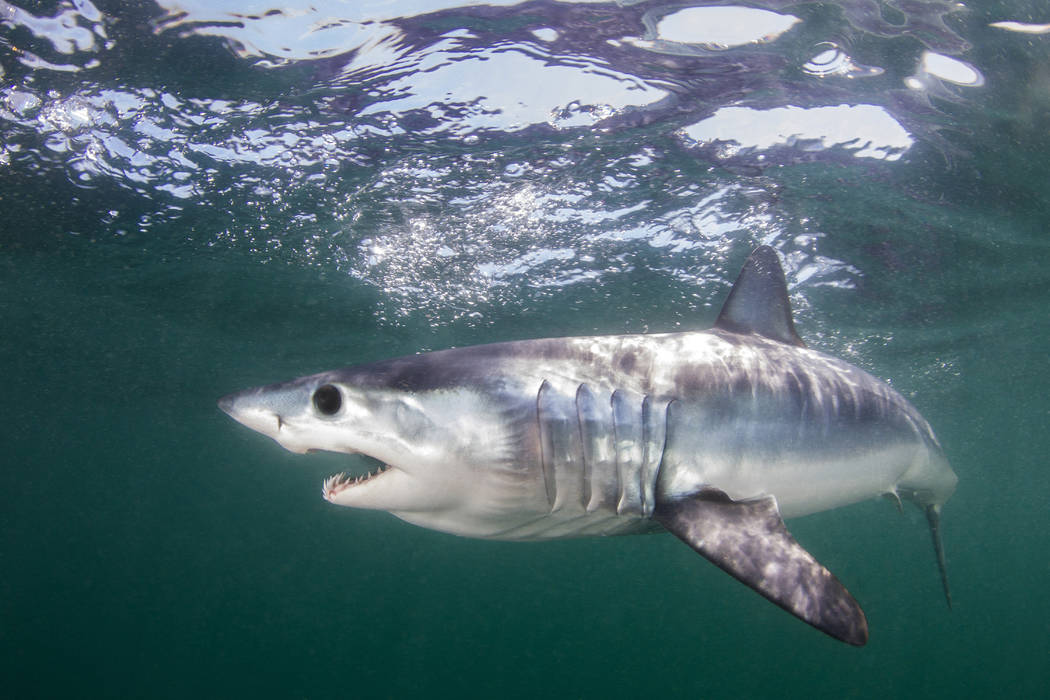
<point>457,154</point>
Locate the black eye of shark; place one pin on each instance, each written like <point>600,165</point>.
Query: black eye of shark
<point>327,400</point>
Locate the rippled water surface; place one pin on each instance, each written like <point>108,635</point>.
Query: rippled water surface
<point>200,196</point>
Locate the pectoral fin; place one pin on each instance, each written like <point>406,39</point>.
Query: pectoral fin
<point>748,540</point>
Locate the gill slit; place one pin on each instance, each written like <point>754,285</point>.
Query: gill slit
<point>546,458</point>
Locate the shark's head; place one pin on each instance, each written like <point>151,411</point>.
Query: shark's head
<point>399,429</point>
<point>428,467</point>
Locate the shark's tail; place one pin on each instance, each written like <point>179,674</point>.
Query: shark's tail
<point>929,484</point>
<point>933,516</point>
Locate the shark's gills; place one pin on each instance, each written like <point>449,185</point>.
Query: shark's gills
<point>600,451</point>
<point>594,419</point>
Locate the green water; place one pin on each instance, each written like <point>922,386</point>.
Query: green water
<point>151,547</point>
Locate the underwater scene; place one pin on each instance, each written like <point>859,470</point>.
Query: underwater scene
<point>199,197</point>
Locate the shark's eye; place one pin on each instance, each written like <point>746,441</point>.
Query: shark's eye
<point>327,400</point>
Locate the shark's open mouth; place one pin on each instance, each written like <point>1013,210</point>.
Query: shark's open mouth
<point>337,483</point>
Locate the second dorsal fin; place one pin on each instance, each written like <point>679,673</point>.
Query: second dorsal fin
<point>758,302</point>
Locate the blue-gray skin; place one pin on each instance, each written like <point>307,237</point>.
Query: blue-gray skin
<point>714,435</point>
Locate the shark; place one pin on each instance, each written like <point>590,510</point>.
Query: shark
<point>716,436</point>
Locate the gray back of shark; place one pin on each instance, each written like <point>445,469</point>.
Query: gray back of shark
<point>715,436</point>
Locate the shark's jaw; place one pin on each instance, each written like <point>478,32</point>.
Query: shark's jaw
<point>376,490</point>
<point>343,481</point>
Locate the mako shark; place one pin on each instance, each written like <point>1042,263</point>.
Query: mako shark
<point>713,435</point>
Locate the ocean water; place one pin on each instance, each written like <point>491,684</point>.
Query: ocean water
<point>198,197</point>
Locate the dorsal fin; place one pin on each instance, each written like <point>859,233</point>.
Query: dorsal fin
<point>758,302</point>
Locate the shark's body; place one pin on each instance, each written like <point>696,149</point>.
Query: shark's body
<point>714,435</point>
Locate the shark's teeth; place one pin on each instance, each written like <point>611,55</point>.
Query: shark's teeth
<point>334,484</point>
<point>337,483</point>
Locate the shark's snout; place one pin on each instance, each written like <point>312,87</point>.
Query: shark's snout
<point>252,414</point>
